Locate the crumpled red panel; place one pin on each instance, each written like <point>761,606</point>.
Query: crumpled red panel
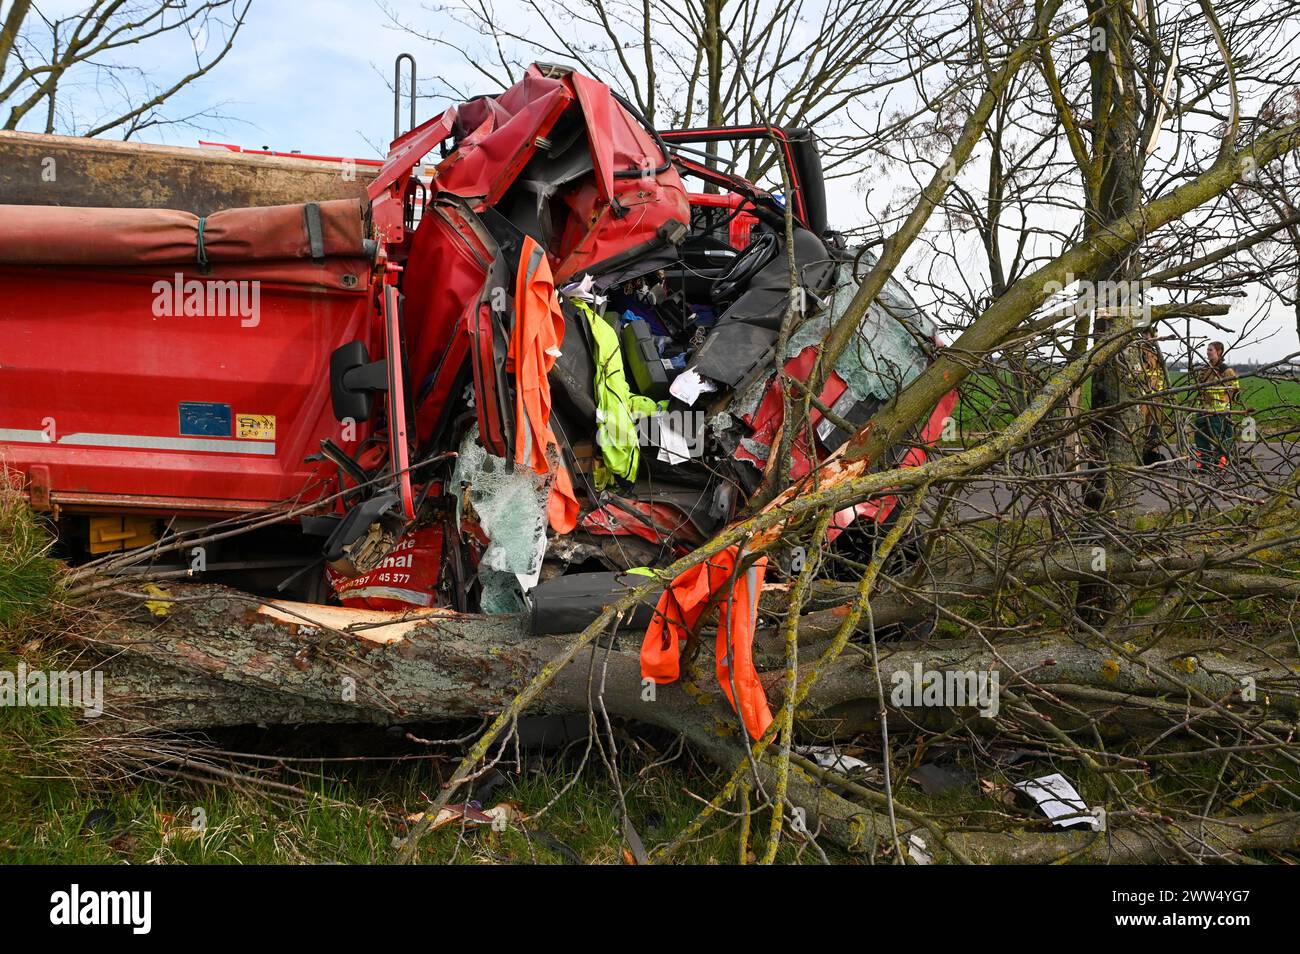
<point>679,610</point>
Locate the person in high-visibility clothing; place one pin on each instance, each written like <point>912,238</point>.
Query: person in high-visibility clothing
<point>1219,390</point>
<point>1151,382</point>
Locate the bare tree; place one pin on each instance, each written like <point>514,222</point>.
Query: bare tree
<point>1140,618</point>
<point>43,58</point>
<point>835,66</point>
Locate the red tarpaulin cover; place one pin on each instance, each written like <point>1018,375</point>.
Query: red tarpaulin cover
<point>55,235</point>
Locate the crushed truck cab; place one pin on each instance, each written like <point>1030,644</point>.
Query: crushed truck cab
<point>538,340</point>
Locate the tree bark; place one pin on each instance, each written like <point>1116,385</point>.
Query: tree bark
<point>216,657</point>
<point>204,657</point>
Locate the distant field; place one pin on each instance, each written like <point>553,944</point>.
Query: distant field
<point>984,408</point>
<point>1275,402</point>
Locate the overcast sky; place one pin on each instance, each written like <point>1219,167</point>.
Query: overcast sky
<point>312,76</point>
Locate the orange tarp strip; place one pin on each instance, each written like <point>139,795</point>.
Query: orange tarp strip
<point>59,235</point>
<point>534,346</point>
<point>678,612</point>
<point>562,504</point>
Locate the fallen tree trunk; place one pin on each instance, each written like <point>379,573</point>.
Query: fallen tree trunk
<point>215,657</point>
<point>952,579</point>
<point>205,657</point>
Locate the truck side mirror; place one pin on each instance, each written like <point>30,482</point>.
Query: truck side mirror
<point>354,379</point>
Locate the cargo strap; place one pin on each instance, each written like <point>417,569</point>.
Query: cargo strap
<point>311,211</point>
<point>201,252</point>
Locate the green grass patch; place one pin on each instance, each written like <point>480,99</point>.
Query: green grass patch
<point>984,407</point>
<point>28,577</point>
<point>1275,403</point>
<point>61,802</point>
<point>351,815</point>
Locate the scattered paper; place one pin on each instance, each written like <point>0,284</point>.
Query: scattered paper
<point>528,579</point>
<point>471,814</point>
<point>918,850</point>
<point>1058,800</point>
<point>585,290</point>
<point>673,447</point>
<point>828,758</point>
<point>688,386</point>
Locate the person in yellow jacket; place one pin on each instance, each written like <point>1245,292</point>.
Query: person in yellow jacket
<point>1218,390</point>
<point>1151,382</point>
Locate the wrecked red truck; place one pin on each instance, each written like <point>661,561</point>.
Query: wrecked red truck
<point>535,348</point>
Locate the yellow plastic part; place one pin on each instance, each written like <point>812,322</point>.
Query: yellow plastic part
<point>111,534</point>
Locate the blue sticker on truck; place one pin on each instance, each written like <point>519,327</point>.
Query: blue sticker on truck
<point>204,419</point>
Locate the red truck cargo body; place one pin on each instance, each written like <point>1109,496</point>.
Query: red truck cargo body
<point>164,387</point>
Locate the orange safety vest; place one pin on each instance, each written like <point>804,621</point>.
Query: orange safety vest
<point>534,346</point>
<point>679,610</point>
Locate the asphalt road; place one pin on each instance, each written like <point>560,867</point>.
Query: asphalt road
<point>1173,483</point>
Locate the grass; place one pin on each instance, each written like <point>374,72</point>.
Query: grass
<point>1276,403</point>
<point>349,815</point>
<point>62,803</point>
<point>57,806</point>
<point>28,577</point>
<point>983,408</point>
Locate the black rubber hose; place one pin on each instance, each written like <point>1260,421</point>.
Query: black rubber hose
<point>654,134</point>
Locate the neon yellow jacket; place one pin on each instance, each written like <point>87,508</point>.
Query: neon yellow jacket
<point>1219,387</point>
<point>617,408</point>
